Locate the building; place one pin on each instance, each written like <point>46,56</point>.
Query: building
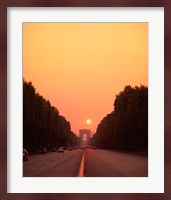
<point>84,135</point>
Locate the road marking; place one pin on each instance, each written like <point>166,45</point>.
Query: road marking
<point>81,169</point>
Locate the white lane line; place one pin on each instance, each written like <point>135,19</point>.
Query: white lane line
<point>81,169</point>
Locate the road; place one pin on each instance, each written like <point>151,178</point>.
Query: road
<point>97,163</point>
<point>104,163</point>
<point>53,164</point>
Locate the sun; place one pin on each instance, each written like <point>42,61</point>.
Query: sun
<point>88,121</point>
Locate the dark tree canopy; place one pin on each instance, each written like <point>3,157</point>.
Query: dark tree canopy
<point>42,124</point>
<point>126,128</point>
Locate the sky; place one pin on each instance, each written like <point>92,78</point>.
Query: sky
<point>81,67</point>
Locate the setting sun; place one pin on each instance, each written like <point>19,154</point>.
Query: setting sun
<point>81,67</point>
<point>88,121</point>
<point>85,88</point>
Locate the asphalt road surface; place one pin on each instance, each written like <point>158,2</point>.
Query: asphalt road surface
<point>104,163</point>
<point>96,163</point>
<point>53,164</point>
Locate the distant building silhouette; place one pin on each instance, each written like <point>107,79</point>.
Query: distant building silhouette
<point>82,133</point>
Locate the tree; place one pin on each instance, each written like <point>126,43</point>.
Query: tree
<point>126,128</point>
<point>42,124</point>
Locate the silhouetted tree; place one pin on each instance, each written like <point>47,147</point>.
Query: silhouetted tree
<point>42,124</point>
<point>126,128</point>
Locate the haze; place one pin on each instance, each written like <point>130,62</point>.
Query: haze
<point>80,67</point>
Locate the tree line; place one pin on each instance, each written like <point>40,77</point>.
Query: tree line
<point>126,127</point>
<point>42,124</point>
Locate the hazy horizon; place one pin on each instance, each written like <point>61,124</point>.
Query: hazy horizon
<point>81,67</point>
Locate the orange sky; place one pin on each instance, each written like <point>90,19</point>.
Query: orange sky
<point>80,67</point>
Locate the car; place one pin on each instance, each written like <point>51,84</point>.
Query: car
<point>94,147</point>
<point>43,150</point>
<point>53,149</point>
<point>25,155</point>
<point>69,149</point>
<point>60,150</point>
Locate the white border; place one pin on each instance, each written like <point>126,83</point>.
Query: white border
<point>152,184</point>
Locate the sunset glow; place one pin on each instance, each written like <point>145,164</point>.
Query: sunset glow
<point>81,67</point>
<point>88,121</point>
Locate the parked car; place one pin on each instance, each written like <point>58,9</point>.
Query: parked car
<point>25,155</point>
<point>43,150</point>
<point>53,149</point>
<point>60,150</point>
